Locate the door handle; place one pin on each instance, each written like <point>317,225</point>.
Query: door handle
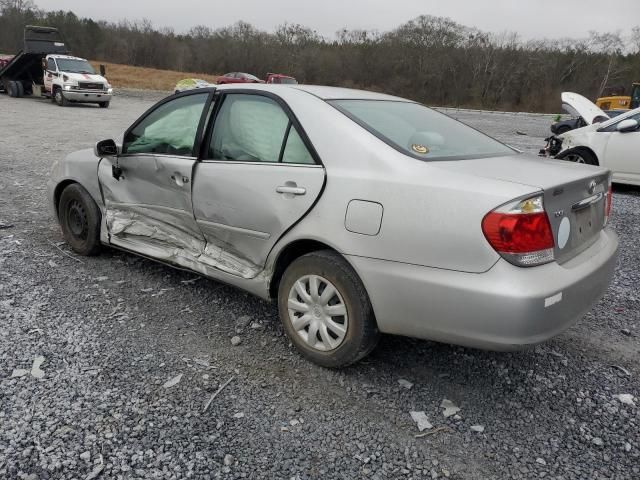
<point>291,190</point>
<point>180,179</point>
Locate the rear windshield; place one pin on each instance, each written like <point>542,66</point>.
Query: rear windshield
<point>419,131</point>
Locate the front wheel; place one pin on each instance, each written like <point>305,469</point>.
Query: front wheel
<point>59,98</point>
<point>579,156</point>
<point>104,104</point>
<point>80,220</point>
<point>326,311</point>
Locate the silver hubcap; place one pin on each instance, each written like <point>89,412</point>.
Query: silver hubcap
<point>318,313</point>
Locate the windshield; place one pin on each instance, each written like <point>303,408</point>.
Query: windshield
<point>419,131</point>
<point>74,66</point>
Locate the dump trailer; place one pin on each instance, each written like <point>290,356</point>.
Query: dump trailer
<point>25,69</point>
<point>44,68</point>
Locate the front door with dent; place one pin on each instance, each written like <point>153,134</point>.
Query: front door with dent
<point>259,176</point>
<point>148,208</point>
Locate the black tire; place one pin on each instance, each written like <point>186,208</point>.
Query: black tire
<point>362,331</point>
<point>80,220</point>
<point>563,129</point>
<point>13,89</point>
<point>579,155</point>
<point>58,97</point>
<point>20,88</point>
<point>104,104</point>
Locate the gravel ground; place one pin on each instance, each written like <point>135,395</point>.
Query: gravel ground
<point>132,350</point>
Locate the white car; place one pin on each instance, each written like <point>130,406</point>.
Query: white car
<point>613,143</point>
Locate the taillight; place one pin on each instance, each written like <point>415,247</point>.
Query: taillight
<point>609,203</point>
<point>520,232</point>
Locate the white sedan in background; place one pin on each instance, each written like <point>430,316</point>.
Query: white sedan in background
<point>614,143</point>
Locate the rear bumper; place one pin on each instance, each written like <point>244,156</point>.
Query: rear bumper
<point>87,97</point>
<point>504,308</point>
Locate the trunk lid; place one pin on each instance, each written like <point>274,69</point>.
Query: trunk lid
<point>574,194</point>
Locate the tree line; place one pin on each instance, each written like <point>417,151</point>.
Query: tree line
<point>430,59</point>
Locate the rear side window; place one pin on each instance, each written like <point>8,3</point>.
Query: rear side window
<point>170,129</point>
<point>255,128</point>
<point>295,150</point>
<point>419,131</point>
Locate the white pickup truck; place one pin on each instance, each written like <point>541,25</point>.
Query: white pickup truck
<point>73,79</point>
<point>44,68</point>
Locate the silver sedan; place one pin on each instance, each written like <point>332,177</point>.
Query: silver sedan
<point>359,213</point>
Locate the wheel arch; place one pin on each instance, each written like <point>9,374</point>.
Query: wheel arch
<point>290,253</point>
<point>57,193</point>
<point>581,148</point>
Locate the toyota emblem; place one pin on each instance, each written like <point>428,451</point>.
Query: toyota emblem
<point>592,186</point>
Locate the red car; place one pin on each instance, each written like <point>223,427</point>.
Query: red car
<point>4,60</point>
<point>238,77</point>
<point>280,78</point>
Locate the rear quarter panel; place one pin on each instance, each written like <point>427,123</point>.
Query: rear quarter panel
<point>431,217</point>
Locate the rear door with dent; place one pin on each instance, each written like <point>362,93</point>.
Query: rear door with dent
<point>258,177</point>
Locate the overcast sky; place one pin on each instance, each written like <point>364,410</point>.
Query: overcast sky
<point>530,18</point>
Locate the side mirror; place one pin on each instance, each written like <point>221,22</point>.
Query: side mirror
<point>105,148</point>
<point>628,125</point>
<point>103,70</point>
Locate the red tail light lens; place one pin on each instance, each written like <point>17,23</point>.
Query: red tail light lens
<point>521,232</point>
<point>608,204</point>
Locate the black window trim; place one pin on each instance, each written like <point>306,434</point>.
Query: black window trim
<point>220,95</point>
<point>199,131</point>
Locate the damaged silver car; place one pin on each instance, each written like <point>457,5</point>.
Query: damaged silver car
<point>358,212</point>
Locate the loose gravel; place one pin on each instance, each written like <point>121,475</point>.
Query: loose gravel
<point>132,352</point>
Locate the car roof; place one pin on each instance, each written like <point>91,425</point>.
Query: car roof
<point>322,92</point>
<point>67,57</point>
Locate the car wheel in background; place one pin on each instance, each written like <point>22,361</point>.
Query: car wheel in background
<point>563,129</point>
<point>80,220</point>
<point>326,311</point>
<point>13,89</point>
<point>579,155</point>
<point>59,97</point>
<point>104,104</point>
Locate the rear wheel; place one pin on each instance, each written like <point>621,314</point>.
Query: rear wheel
<point>13,89</point>
<point>104,104</point>
<point>326,311</point>
<point>58,97</point>
<point>80,220</point>
<point>580,155</point>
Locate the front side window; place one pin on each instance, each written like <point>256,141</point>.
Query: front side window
<point>614,127</point>
<point>51,65</point>
<point>170,129</point>
<point>420,132</point>
<point>75,66</point>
